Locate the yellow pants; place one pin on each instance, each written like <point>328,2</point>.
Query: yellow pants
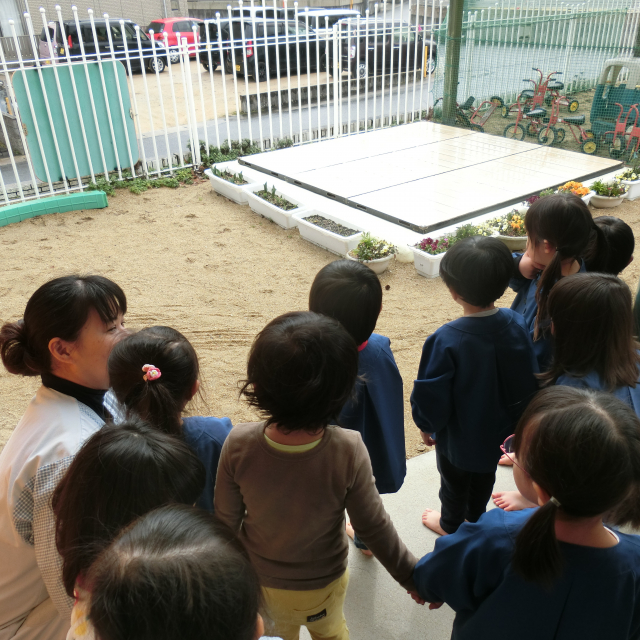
<point>320,610</point>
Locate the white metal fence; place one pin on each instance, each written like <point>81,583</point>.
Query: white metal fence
<point>77,110</point>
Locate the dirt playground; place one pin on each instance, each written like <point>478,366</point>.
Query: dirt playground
<point>215,271</point>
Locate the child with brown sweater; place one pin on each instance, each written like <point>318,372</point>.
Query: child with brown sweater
<point>285,483</point>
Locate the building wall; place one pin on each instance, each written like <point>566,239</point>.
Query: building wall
<point>141,12</point>
<point>207,8</point>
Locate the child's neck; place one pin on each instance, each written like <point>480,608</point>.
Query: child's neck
<point>569,267</point>
<point>586,532</point>
<point>273,432</point>
<point>468,309</point>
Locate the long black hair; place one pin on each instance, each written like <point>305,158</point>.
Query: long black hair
<point>564,221</point>
<point>177,572</point>
<point>57,309</point>
<point>583,448</point>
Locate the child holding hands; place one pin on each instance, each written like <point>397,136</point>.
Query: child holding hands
<point>284,484</point>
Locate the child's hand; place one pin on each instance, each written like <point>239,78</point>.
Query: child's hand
<point>427,439</point>
<point>416,598</point>
<point>527,267</point>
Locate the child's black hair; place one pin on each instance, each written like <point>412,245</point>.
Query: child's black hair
<point>162,400</point>
<point>301,370</point>
<point>478,269</point>
<point>57,309</point>
<point>177,572</point>
<point>351,293</point>
<point>620,245</point>
<point>583,448</point>
<point>593,330</point>
<point>564,221</point>
<point>120,473</point>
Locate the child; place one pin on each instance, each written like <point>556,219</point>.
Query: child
<point>560,231</point>
<point>594,347</point>
<point>154,374</point>
<point>555,572</point>
<point>120,473</point>
<point>285,483</point>
<point>351,293</point>
<point>475,378</point>
<point>175,573</point>
<point>620,246</point>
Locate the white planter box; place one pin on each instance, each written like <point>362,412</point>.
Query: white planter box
<point>426,264</point>
<point>606,202</point>
<point>634,189</point>
<point>234,192</point>
<point>279,216</point>
<point>322,237</point>
<point>514,243</point>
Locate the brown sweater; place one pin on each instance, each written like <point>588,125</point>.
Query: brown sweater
<point>289,508</point>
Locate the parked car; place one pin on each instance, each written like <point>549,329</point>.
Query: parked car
<point>209,49</point>
<point>322,20</point>
<point>172,27</point>
<point>280,37</point>
<point>67,46</point>
<point>369,46</point>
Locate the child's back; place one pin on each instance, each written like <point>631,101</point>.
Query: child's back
<point>475,378</point>
<point>596,597</point>
<point>351,293</point>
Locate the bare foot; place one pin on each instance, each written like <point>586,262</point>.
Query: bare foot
<point>506,461</point>
<point>511,501</point>
<point>351,533</point>
<point>431,519</point>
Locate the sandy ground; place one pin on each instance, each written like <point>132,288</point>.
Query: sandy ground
<point>215,271</point>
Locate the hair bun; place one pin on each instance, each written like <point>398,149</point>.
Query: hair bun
<point>14,351</point>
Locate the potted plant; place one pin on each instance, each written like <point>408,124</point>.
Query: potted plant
<point>631,178</point>
<point>274,204</point>
<point>577,188</point>
<point>229,179</point>
<point>375,253</point>
<point>428,253</point>
<point>608,194</point>
<point>327,231</point>
<point>508,228</point>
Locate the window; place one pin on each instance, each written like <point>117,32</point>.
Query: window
<point>43,35</point>
<point>158,27</point>
<point>403,35</point>
<point>182,27</point>
<point>297,28</point>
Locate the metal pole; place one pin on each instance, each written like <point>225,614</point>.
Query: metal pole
<point>452,61</point>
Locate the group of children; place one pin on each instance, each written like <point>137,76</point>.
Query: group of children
<point>99,534</point>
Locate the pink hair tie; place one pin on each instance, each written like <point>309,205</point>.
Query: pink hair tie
<point>151,372</point>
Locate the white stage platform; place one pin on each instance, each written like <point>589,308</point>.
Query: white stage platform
<point>426,176</point>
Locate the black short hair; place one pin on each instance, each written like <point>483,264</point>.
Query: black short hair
<point>301,370</point>
<point>478,269</point>
<point>351,293</point>
<point>620,243</point>
<point>176,572</point>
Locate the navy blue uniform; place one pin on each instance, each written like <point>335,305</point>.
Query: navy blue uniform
<point>596,597</point>
<point>476,377</point>
<point>206,435</point>
<point>377,412</point>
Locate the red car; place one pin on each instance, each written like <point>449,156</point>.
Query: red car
<point>172,27</point>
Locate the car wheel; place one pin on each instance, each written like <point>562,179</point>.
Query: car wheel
<point>206,66</point>
<point>174,56</point>
<point>228,65</point>
<point>326,67</point>
<point>262,72</point>
<point>156,63</point>
<point>432,63</point>
<point>359,72</point>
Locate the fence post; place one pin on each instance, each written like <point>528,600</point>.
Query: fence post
<point>452,62</point>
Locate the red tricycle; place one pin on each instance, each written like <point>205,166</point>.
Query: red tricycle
<point>622,133</point>
<point>549,134</point>
<point>516,131</point>
<point>475,119</point>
